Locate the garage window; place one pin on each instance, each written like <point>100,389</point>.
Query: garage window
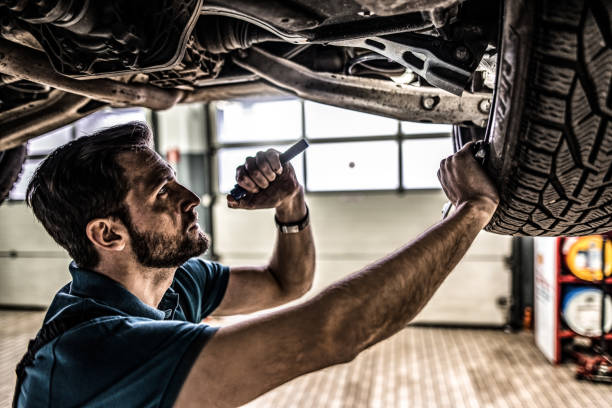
<point>243,122</point>
<point>353,166</point>
<point>324,121</point>
<point>421,160</point>
<point>349,150</point>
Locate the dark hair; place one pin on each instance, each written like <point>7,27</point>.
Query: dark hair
<point>81,181</point>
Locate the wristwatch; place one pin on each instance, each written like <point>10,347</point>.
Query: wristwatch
<point>293,227</point>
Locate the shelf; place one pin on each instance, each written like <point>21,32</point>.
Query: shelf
<point>573,279</point>
<point>564,334</point>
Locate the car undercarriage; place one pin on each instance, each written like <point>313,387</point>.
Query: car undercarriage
<point>62,59</point>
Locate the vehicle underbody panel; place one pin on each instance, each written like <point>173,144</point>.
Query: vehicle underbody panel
<point>431,61</point>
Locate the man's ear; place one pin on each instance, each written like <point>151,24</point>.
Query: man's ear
<point>107,234</point>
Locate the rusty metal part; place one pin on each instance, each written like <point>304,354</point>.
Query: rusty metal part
<point>339,31</point>
<point>30,107</point>
<point>233,91</point>
<point>86,39</point>
<point>34,66</point>
<point>368,27</point>
<point>59,110</point>
<point>449,65</point>
<point>273,15</point>
<point>218,34</point>
<point>20,36</point>
<point>390,7</point>
<point>365,94</point>
<point>7,80</point>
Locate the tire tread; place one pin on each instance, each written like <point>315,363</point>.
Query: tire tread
<point>562,183</point>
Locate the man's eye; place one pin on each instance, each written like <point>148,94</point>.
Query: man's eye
<point>162,191</point>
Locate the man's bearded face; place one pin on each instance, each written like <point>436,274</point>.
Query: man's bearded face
<point>156,249</point>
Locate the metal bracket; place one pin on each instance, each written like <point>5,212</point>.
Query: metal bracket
<point>21,62</point>
<point>364,94</point>
<point>448,65</point>
<point>59,110</point>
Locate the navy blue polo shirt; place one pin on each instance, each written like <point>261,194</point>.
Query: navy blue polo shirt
<point>137,356</point>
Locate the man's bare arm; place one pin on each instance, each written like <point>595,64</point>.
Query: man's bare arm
<point>290,271</point>
<point>287,276</point>
<point>245,360</point>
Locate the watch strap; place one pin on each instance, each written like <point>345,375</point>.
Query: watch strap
<point>293,227</point>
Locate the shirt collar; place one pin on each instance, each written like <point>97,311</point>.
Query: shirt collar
<point>89,284</point>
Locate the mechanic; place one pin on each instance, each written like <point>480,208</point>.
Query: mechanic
<point>126,331</point>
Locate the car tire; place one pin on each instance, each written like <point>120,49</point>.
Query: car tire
<point>11,163</point>
<point>550,136</point>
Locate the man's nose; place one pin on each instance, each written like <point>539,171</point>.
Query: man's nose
<point>190,200</point>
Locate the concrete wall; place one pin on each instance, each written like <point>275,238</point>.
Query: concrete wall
<point>32,266</point>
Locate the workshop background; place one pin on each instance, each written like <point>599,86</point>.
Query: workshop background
<point>371,187</point>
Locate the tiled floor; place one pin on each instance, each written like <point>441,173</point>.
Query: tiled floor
<point>419,367</point>
<point>16,328</point>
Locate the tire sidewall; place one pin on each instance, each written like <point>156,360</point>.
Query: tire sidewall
<point>11,164</point>
<point>512,71</point>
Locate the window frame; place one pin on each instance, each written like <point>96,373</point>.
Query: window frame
<point>398,137</point>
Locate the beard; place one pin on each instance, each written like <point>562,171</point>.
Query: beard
<point>155,249</point>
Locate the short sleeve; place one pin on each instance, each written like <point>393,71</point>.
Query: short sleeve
<point>150,362</point>
<point>201,286</point>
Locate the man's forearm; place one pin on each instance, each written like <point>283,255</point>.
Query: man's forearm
<point>381,299</point>
<point>293,258</point>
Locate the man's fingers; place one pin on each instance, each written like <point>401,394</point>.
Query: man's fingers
<point>447,169</point>
<point>463,179</point>
<point>246,203</point>
<point>466,148</point>
<point>264,166</point>
<point>261,177</point>
<point>231,201</point>
<point>244,181</point>
<point>255,174</point>
<point>447,163</point>
<point>442,165</point>
<point>467,154</point>
<point>273,158</point>
<point>442,171</point>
